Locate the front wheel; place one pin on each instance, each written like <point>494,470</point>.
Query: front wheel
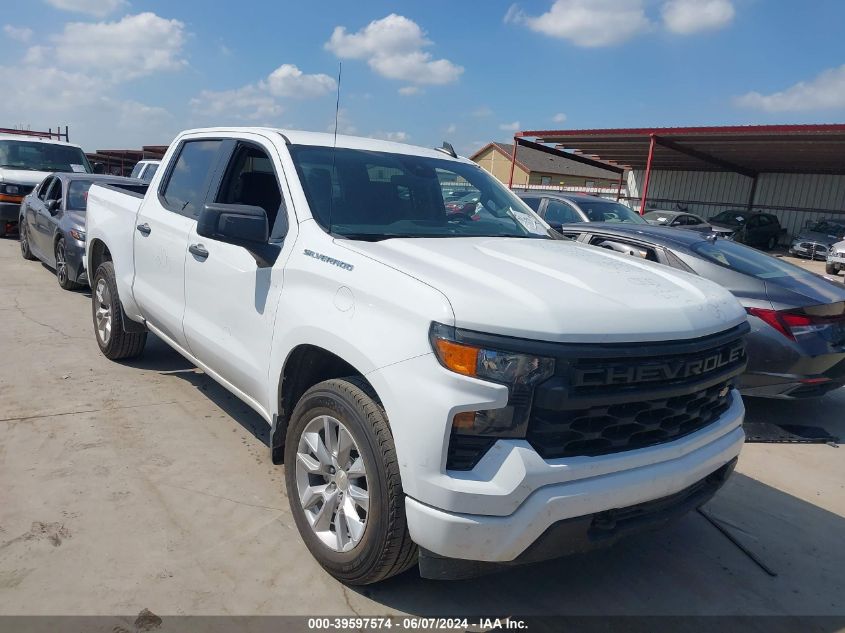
<point>343,484</point>
<point>26,253</point>
<point>831,269</point>
<point>107,311</point>
<point>62,272</point>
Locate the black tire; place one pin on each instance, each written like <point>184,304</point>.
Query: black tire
<point>831,269</point>
<point>26,253</point>
<point>62,273</point>
<point>386,548</point>
<point>118,343</point>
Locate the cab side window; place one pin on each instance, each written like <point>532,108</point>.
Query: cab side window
<point>250,179</point>
<point>188,181</point>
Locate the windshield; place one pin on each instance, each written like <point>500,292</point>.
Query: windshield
<point>830,228</point>
<point>367,195</point>
<point>746,260</point>
<point>136,170</point>
<point>731,218</point>
<point>34,156</point>
<point>599,210</point>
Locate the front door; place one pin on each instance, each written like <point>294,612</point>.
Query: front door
<point>163,226</point>
<point>231,301</point>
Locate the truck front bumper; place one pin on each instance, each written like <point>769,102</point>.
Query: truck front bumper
<point>504,539</point>
<point>495,512</point>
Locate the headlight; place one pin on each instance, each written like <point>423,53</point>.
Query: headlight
<point>12,190</point>
<point>77,234</point>
<point>519,372</point>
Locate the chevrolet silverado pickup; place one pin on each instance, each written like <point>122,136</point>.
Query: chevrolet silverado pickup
<point>458,391</point>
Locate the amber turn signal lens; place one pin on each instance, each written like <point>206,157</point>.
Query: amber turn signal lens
<point>464,421</point>
<point>461,359</point>
<point>5,197</point>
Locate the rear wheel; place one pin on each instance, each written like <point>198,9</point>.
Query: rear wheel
<point>62,272</point>
<point>107,312</point>
<point>343,484</point>
<point>26,253</point>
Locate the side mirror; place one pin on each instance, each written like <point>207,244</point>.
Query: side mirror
<point>99,168</point>
<point>240,225</point>
<point>52,206</point>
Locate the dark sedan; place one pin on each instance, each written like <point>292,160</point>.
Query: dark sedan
<point>797,343</point>
<point>52,224</point>
<point>755,229</point>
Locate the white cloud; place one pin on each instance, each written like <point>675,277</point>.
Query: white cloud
<point>132,47</point>
<point>407,91</point>
<point>482,112</point>
<point>344,123</point>
<point>259,101</point>
<point>826,91</point>
<point>398,137</point>
<point>83,102</point>
<point>19,33</point>
<point>587,23</point>
<point>393,48</point>
<point>249,103</point>
<point>560,117</point>
<point>509,127</point>
<point>97,8</point>
<point>690,16</point>
<point>451,129</point>
<point>288,81</point>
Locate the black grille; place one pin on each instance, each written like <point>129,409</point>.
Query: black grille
<point>604,429</point>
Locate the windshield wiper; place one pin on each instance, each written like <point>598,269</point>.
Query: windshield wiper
<point>373,237</point>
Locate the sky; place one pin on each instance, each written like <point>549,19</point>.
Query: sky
<point>126,73</point>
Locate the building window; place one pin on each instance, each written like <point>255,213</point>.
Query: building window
<point>590,183</point>
<point>545,180</point>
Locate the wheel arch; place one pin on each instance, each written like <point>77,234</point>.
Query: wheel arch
<point>306,365</point>
<point>98,253</point>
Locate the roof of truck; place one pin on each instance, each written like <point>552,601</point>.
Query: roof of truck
<point>36,139</point>
<point>327,139</point>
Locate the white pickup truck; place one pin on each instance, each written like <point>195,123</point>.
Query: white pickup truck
<point>465,390</point>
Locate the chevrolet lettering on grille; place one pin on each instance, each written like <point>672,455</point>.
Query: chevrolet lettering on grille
<point>621,374</point>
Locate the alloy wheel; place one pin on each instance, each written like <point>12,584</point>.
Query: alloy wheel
<point>331,480</point>
<point>23,239</point>
<point>61,263</point>
<point>103,311</point>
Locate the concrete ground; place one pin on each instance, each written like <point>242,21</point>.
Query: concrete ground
<point>145,485</point>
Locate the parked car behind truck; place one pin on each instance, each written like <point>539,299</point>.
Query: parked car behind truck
<point>24,162</point>
<point>437,388</point>
<point>51,226</point>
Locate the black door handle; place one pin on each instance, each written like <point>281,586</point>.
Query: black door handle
<point>144,229</point>
<point>198,250</point>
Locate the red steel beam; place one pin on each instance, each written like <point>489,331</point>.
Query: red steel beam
<point>647,173</point>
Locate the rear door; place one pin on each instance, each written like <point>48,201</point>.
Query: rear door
<point>163,226</point>
<point>34,205</point>
<point>231,301</point>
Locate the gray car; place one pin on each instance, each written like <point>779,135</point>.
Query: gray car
<point>52,223</point>
<point>563,208</point>
<point>796,348</point>
<point>678,219</point>
<point>817,238</point>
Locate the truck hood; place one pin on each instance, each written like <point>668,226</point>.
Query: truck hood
<point>558,290</point>
<point>22,176</point>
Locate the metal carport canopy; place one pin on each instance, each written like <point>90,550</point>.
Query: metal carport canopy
<point>748,150</point>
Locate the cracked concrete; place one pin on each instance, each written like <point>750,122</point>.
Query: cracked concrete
<point>167,488</point>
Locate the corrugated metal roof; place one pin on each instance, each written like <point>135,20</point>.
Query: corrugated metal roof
<point>751,149</point>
